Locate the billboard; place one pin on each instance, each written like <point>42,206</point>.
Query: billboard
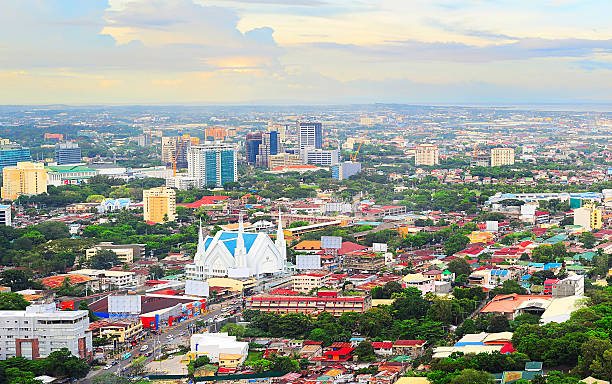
<point>197,288</point>
<point>308,261</point>
<point>238,273</point>
<point>492,226</point>
<point>125,304</point>
<point>379,247</point>
<point>331,242</point>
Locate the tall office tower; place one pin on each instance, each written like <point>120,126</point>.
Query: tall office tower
<point>325,158</point>
<point>310,135</point>
<point>502,156</point>
<point>212,164</point>
<point>282,129</point>
<point>345,170</point>
<point>253,141</point>
<point>6,217</point>
<point>168,145</point>
<point>159,204</point>
<point>426,154</point>
<point>269,146</point>
<point>146,138</point>
<point>67,153</point>
<point>175,149</point>
<point>11,154</point>
<point>26,178</point>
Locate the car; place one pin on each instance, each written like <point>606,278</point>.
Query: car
<point>148,354</point>
<point>108,366</point>
<point>144,348</point>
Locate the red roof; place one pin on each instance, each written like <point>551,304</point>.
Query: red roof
<point>408,343</point>
<point>206,200</point>
<point>348,247</point>
<point>507,348</point>
<point>382,344</point>
<point>281,291</point>
<point>57,281</point>
<point>340,345</point>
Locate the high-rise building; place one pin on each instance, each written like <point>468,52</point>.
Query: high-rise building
<point>159,204</point>
<point>26,178</point>
<point>11,154</point>
<point>42,329</point>
<point>253,141</point>
<point>67,153</point>
<point>502,156</point>
<point>213,163</point>
<point>215,133</point>
<point>325,158</point>
<point>269,146</point>
<point>310,135</point>
<point>174,149</point>
<point>426,154</point>
<point>345,170</point>
<point>588,217</point>
<point>5,215</point>
<point>282,129</point>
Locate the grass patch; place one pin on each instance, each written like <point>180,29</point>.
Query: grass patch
<point>254,355</point>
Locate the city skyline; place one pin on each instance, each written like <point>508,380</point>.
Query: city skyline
<point>305,52</point>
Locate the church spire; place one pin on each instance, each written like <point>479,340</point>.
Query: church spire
<point>280,242</point>
<point>240,253</point>
<point>200,249</point>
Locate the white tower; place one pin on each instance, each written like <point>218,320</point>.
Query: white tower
<point>199,255</point>
<point>280,242</point>
<point>240,255</point>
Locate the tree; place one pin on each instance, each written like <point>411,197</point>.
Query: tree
<point>18,280</point>
<point>456,243</point>
<point>508,287</point>
<point>410,304</point>
<point>459,266</point>
<point>543,254</point>
<point>156,272</point>
<point>63,364</point>
<point>12,301</point>
<point>365,351</point>
<point>53,230</point>
<point>104,259</point>
<point>498,323</point>
<point>84,307</point>
<point>472,376</point>
<point>587,239</point>
<point>233,329</point>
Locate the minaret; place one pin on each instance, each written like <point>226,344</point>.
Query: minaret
<point>240,253</point>
<point>280,242</point>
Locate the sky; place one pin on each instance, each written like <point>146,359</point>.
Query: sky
<point>305,51</point>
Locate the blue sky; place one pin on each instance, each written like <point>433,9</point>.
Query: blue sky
<point>305,51</point>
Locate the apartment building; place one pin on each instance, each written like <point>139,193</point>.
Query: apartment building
<point>502,156</point>
<point>26,178</point>
<point>159,204</point>
<point>42,329</point>
<point>588,217</point>
<point>306,282</point>
<point>125,252</point>
<point>426,154</point>
<point>106,279</point>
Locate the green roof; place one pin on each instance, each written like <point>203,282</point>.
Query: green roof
<point>69,168</point>
<point>402,358</point>
<point>586,255</point>
<point>533,365</point>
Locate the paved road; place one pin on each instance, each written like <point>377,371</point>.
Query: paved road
<point>176,335</point>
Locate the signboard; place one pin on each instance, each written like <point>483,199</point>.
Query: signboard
<point>331,242</point>
<point>197,288</point>
<point>238,273</point>
<point>124,304</point>
<point>379,247</point>
<point>492,226</point>
<point>308,261</point>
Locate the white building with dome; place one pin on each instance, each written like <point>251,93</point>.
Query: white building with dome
<point>238,254</point>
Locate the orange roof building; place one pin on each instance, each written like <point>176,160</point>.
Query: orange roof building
<point>57,281</point>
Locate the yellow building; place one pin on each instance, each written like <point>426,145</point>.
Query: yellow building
<point>283,160</point>
<point>27,178</point>
<point>480,237</point>
<point>159,204</point>
<point>230,360</point>
<point>426,154</point>
<point>589,217</point>
<point>502,156</point>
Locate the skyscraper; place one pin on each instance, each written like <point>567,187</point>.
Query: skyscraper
<point>253,141</point>
<point>11,154</point>
<point>26,178</point>
<point>212,164</point>
<point>269,146</point>
<point>426,154</point>
<point>175,149</point>
<point>310,135</point>
<point>502,156</point>
<point>67,153</point>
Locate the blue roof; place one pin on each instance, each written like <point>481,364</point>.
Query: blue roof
<point>464,343</point>
<point>525,277</point>
<point>499,272</point>
<point>207,242</point>
<point>4,206</point>
<point>537,265</point>
<point>229,239</point>
<point>552,266</point>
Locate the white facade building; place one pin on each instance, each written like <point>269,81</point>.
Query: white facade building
<point>41,329</point>
<point>107,279</point>
<point>215,344</point>
<point>238,254</point>
<point>5,215</point>
<point>212,164</point>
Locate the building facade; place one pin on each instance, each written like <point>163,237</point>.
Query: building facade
<point>588,217</point>
<point>427,154</point>
<point>11,154</point>
<point>67,153</point>
<point>69,174</point>
<point>214,164</point>
<point>325,158</point>
<point>215,133</point>
<point>324,301</point>
<point>284,160</point>
<point>345,170</point>
<point>159,204</point>
<point>502,156</point>
<point>310,135</point>
<point>26,178</point>
<point>41,329</point>
<point>269,146</point>
<point>253,141</point>
<point>125,252</point>
<point>6,215</point>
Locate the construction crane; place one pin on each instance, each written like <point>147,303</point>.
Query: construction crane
<point>353,156</point>
<point>175,157</point>
<point>476,149</point>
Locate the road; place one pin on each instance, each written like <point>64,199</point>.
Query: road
<point>174,336</point>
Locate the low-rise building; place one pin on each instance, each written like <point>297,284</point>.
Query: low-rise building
<point>218,347</point>
<point>306,282</point>
<point>363,261</point>
<point>324,301</point>
<point>126,253</point>
<point>69,174</point>
<point>412,348</point>
<point>42,329</point>
<point>106,279</point>
<point>123,330</point>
